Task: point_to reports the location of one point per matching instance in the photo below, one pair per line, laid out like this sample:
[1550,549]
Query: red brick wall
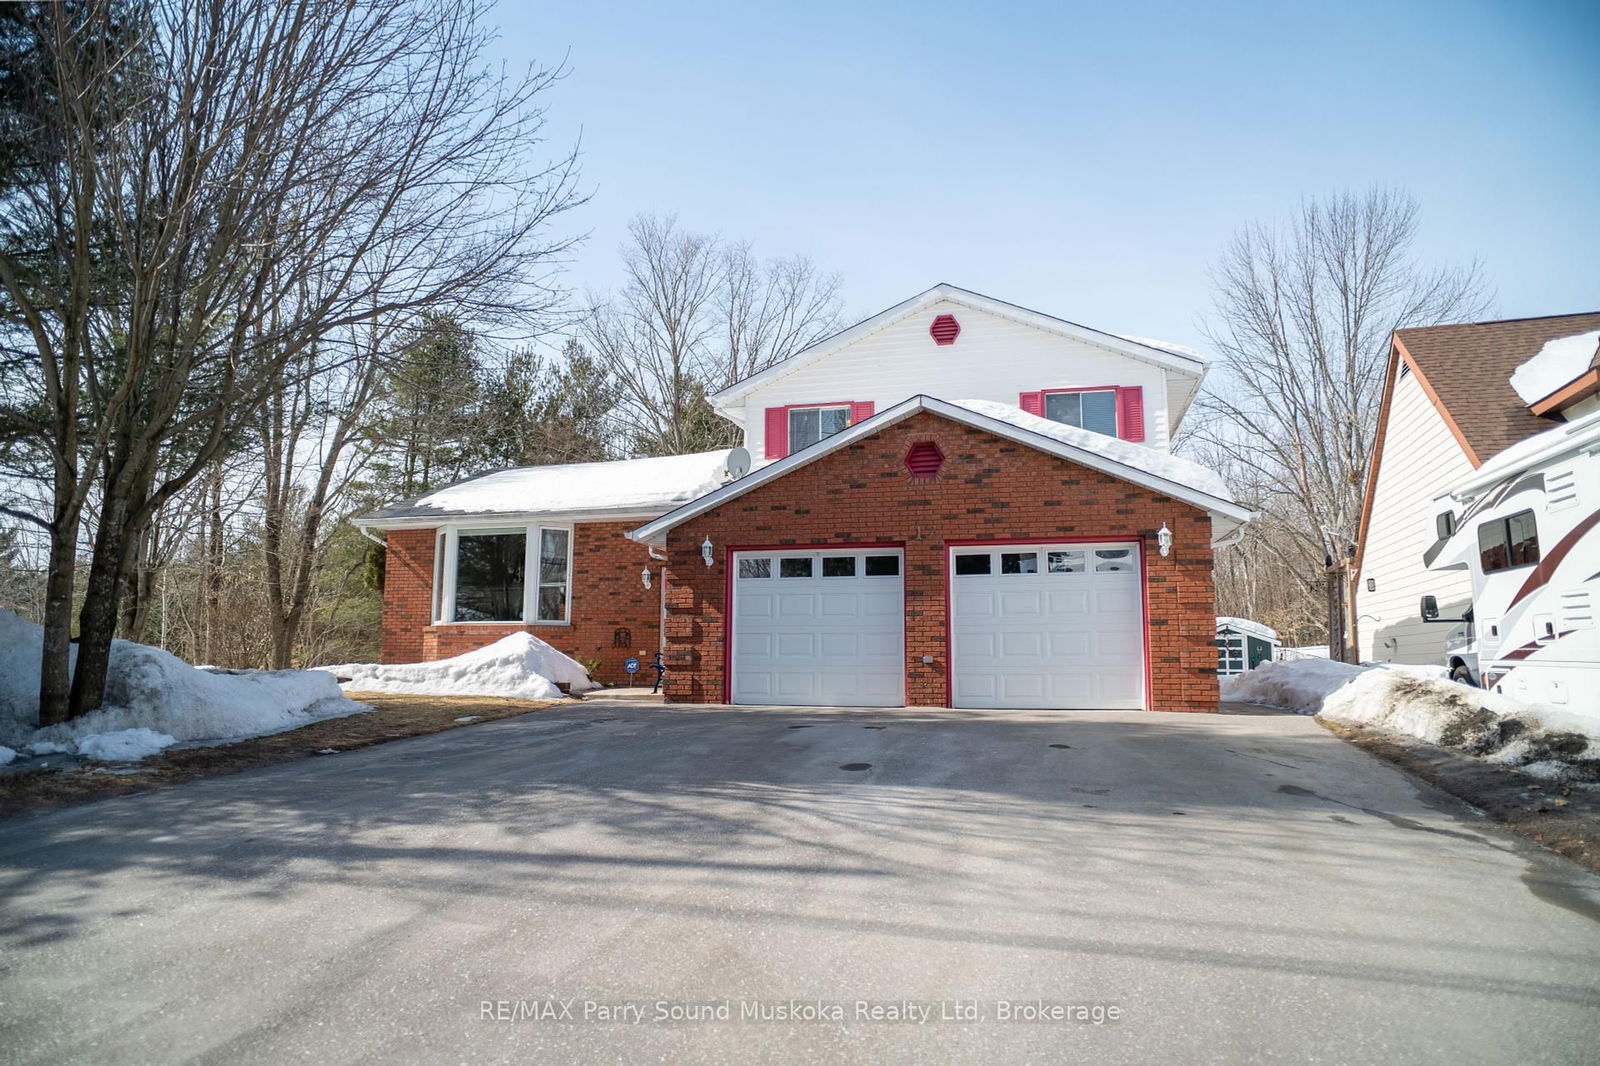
[606,595]
[989,488]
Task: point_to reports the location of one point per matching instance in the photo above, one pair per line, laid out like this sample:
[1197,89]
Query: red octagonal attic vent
[924,459]
[945,329]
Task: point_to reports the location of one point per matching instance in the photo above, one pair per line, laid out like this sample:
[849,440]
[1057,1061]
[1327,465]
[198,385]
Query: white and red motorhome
[1526,525]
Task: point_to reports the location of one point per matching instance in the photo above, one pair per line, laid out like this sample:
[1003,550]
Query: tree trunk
[55,672]
[102,596]
[211,591]
[1338,649]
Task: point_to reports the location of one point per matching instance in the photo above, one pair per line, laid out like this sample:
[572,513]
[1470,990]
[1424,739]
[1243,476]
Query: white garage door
[1047,625]
[823,628]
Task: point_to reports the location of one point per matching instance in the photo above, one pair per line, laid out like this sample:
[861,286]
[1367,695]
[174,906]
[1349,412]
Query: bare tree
[1302,325]
[219,188]
[695,316]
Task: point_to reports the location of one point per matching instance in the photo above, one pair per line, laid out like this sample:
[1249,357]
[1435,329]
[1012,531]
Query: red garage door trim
[949,595]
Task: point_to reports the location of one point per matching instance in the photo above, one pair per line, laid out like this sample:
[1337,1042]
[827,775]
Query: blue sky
[1087,160]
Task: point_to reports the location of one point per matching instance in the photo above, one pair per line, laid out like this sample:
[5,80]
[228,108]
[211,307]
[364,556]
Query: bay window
[503,574]
[554,563]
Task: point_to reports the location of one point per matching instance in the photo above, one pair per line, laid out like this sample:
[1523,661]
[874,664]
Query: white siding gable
[994,358]
[1419,460]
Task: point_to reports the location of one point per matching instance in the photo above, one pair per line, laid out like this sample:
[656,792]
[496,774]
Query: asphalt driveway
[1236,888]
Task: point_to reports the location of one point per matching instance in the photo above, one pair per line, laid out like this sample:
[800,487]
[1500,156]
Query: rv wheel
[1463,675]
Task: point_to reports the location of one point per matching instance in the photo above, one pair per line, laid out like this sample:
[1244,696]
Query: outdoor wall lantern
[1164,540]
[644,576]
[705,551]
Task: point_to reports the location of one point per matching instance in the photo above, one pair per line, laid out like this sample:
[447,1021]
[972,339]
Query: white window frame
[444,597]
[1116,408]
[795,409]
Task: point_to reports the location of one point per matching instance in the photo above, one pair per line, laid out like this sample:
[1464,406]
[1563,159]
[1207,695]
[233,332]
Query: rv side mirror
[1430,608]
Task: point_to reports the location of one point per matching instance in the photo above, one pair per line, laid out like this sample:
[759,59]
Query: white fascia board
[724,400]
[1230,513]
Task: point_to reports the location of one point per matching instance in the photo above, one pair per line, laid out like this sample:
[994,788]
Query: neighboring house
[1449,406]
[956,502]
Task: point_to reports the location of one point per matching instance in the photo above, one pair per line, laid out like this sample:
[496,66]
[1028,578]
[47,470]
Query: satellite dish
[737,464]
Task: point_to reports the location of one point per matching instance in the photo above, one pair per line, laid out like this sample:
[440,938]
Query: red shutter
[1032,402]
[860,412]
[777,432]
[1130,412]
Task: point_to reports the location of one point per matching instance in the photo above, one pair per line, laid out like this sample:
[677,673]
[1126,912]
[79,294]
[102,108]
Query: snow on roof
[1247,625]
[1166,346]
[1558,363]
[1568,436]
[624,486]
[1162,464]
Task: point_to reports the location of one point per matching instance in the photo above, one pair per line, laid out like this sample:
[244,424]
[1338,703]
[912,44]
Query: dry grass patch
[392,717]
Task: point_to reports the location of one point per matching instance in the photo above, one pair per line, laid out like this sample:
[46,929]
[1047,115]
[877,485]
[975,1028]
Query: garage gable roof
[1135,463]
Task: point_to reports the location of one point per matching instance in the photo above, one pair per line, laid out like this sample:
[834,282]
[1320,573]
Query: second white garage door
[820,629]
[1047,626]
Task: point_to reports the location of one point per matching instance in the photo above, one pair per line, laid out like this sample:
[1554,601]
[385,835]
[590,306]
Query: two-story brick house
[956,502]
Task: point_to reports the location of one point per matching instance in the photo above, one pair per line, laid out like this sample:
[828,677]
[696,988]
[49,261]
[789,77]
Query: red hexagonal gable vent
[945,329]
[924,459]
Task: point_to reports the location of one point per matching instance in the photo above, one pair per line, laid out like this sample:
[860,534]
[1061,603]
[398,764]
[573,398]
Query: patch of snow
[49,747]
[659,483]
[519,666]
[6,755]
[1150,460]
[125,745]
[1558,363]
[1292,686]
[1545,770]
[1421,702]
[468,718]
[153,690]
[1165,346]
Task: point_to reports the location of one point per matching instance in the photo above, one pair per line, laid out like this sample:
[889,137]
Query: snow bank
[1420,701]
[520,666]
[1295,686]
[1558,363]
[149,691]
[6,755]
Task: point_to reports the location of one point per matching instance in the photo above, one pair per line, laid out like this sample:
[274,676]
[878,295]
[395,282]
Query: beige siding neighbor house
[1418,454]
[1448,408]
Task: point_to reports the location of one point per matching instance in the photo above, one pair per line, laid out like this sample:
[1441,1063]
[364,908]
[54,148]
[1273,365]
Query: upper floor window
[1095,411]
[1504,543]
[807,425]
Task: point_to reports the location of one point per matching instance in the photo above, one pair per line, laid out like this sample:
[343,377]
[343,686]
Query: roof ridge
[1499,321]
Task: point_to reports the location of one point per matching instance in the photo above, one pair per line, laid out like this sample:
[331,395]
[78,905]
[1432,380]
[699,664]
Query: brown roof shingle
[1467,370]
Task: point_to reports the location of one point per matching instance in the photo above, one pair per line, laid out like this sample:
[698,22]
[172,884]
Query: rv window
[1508,542]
